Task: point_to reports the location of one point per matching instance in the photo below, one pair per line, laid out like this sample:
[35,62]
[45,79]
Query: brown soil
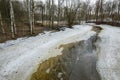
[97,29]
[22,31]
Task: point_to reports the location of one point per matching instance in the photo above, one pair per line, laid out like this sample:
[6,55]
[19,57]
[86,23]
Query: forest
[19,18]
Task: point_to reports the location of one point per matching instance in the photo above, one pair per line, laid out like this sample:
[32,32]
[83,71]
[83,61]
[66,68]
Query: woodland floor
[21,32]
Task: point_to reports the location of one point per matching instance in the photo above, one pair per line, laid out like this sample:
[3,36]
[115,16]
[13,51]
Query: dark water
[78,62]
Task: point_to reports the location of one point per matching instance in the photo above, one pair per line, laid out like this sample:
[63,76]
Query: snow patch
[109,53]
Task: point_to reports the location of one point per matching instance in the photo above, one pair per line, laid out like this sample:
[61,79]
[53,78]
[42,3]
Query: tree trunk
[59,12]
[119,10]
[1,23]
[13,25]
[49,9]
[31,15]
[52,14]
[42,14]
[101,10]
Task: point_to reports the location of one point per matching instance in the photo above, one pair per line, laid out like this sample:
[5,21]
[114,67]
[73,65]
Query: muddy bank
[78,62]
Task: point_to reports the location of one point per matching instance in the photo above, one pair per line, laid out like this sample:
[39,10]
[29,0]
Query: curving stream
[78,62]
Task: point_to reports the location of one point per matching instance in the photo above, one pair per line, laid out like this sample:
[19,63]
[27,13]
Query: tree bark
[1,23]
[31,15]
[59,8]
[101,10]
[13,25]
[52,18]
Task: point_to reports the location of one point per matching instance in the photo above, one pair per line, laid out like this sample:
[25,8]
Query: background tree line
[27,17]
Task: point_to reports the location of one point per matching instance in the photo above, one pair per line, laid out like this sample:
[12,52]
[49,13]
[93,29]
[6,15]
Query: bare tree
[52,13]
[97,8]
[117,15]
[1,24]
[86,9]
[43,11]
[101,10]
[13,25]
[31,14]
[119,8]
[49,11]
[107,9]
[41,7]
[71,10]
[113,7]
[59,8]
[60,3]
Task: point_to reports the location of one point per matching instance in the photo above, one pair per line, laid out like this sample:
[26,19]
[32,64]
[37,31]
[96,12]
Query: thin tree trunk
[42,14]
[30,20]
[52,14]
[31,15]
[49,13]
[1,22]
[101,10]
[59,12]
[13,25]
[119,10]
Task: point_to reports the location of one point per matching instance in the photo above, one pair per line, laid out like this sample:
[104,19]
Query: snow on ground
[20,58]
[109,53]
